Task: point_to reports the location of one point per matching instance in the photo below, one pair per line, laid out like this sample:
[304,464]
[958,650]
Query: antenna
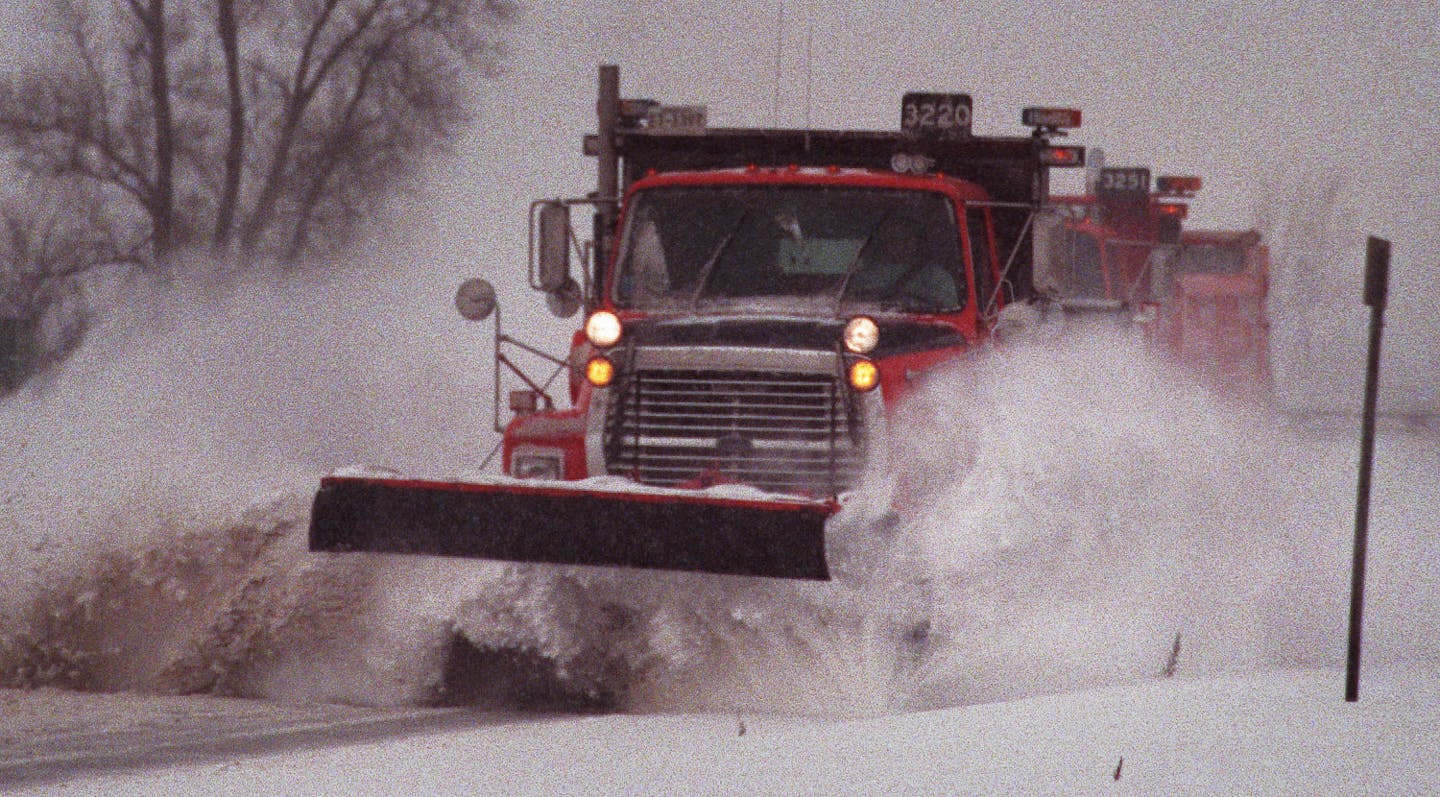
[809,43]
[779,50]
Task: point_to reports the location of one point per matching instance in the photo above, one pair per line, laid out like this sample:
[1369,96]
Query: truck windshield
[1210,259]
[740,247]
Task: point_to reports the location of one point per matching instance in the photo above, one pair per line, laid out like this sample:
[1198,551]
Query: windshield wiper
[864,244]
[709,267]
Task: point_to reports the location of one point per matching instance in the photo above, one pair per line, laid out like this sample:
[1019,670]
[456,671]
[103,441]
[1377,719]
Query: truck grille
[783,432]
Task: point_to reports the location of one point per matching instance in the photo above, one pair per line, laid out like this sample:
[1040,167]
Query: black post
[607,182]
[1377,277]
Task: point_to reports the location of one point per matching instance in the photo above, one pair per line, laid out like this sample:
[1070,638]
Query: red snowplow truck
[757,300]
[1199,294]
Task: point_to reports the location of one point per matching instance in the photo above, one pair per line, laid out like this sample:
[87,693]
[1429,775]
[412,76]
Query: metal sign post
[1377,278]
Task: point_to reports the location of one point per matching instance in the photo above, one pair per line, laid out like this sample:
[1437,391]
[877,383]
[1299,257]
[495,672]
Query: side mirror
[475,300]
[554,242]
[566,300]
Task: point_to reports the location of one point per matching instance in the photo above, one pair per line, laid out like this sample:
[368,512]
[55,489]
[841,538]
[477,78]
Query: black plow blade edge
[561,525]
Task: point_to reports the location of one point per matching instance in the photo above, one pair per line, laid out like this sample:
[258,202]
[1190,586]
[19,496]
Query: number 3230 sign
[935,115]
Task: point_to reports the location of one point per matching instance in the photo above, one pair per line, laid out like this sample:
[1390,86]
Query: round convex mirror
[475,300]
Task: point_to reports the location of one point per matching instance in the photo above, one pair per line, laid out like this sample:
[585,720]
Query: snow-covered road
[54,736]
[1273,733]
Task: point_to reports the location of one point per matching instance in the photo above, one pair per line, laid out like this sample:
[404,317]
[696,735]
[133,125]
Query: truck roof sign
[1171,185]
[1130,184]
[1053,118]
[676,119]
[935,116]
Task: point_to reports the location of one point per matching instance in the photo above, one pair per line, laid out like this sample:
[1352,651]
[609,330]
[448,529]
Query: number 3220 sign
[936,115]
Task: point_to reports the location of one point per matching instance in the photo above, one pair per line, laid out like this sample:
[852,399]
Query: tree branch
[329,157]
[235,147]
[297,103]
[162,207]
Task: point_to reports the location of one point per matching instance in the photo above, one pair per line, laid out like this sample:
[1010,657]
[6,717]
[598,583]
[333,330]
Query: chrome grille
[784,432]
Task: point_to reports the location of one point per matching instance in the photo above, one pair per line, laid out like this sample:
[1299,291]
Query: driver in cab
[901,267]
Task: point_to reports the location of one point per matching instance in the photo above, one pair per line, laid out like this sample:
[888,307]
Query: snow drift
[1081,510]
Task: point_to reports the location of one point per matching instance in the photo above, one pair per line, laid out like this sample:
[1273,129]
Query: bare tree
[228,32]
[152,45]
[374,82]
[264,129]
[49,240]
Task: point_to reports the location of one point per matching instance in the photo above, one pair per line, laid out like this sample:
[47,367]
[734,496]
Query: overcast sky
[1241,93]
[1236,92]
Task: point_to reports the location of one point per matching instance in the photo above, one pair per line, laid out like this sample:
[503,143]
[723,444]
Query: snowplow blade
[560,524]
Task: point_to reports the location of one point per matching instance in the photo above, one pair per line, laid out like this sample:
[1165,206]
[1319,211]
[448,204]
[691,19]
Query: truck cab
[761,298]
[1217,321]
[1200,294]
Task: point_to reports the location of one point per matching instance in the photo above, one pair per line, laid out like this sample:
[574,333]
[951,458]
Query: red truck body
[1200,294]
[948,333]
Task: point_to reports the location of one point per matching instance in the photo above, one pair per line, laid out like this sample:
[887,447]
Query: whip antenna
[779,50]
[809,42]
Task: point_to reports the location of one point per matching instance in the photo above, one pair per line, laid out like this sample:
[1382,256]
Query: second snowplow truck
[756,301]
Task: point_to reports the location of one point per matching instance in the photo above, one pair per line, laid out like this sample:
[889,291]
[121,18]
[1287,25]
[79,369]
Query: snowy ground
[1282,732]
[1070,522]
[1045,672]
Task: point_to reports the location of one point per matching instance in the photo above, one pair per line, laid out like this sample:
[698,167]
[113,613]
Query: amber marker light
[600,371]
[1177,186]
[864,375]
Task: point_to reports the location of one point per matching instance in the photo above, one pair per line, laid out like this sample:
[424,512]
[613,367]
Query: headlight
[600,371]
[535,465]
[602,328]
[861,335]
[864,375]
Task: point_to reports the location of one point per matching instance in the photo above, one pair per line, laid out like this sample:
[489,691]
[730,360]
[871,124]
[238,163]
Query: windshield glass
[1210,259]
[739,247]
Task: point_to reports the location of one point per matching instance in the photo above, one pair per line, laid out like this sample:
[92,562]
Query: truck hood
[896,337]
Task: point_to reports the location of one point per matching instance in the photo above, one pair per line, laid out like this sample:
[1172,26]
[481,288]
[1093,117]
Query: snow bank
[157,487]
